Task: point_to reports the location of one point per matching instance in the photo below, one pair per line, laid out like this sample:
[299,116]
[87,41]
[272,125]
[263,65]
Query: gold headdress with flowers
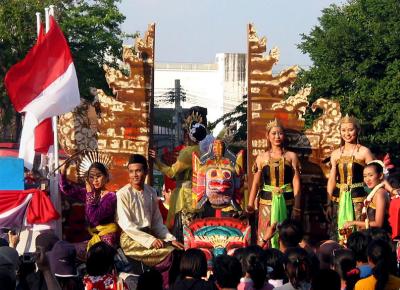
[350,119]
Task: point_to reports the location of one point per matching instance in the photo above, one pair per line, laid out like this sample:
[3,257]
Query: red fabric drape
[40,208]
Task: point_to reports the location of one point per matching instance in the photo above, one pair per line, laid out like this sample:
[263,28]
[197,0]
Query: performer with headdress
[100,203]
[277,181]
[375,212]
[345,188]
[182,206]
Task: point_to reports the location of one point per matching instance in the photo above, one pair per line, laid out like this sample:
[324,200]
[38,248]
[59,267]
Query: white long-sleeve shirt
[139,216]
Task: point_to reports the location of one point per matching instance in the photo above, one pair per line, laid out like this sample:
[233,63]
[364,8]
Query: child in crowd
[344,263]
[193,268]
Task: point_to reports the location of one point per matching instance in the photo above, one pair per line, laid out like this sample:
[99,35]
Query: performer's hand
[13,239]
[153,153]
[269,233]
[89,187]
[178,245]
[64,167]
[250,209]
[348,224]
[157,244]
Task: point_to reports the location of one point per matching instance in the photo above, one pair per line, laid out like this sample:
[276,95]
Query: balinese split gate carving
[266,101]
[120,125]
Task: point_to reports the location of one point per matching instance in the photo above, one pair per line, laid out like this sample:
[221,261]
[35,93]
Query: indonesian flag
[43,84]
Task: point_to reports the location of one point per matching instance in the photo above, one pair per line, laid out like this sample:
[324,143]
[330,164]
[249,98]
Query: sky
[195,31]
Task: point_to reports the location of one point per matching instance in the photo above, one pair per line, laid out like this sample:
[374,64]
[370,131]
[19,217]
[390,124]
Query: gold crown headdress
[350,119]
[194,117]
[91,156]
[273,123]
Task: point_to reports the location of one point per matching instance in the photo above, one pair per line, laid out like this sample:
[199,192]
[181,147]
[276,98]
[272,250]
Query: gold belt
[269,201]
[348,187]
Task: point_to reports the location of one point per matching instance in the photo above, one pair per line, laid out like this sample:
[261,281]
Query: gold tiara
[194,117]
[273,123]
[350,119]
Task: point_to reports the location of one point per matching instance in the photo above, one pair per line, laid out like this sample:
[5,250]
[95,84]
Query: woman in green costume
[277,182]
[182,206]
[345,187]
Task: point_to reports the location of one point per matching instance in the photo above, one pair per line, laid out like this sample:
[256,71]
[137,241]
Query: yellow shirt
[369,283]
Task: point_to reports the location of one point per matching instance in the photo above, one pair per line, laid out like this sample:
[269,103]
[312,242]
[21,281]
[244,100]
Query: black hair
[193,264]
[227,271]
[99,166]
[239,254]
[197,131]
[358,243]
[378,234]
[344,263]
[138,158]
[290,233]
[326,279]
[376,165]
[150,279]
[297,266]
[100,259]
[253,264]
[379,253]
[274,259]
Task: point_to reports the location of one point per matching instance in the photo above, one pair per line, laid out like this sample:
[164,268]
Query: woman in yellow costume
[277,181]
[182,205]
[345,187]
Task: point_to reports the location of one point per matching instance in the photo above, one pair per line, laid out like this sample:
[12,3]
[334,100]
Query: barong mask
[218,177]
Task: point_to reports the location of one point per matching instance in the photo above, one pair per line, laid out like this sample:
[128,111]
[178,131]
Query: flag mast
[54,162]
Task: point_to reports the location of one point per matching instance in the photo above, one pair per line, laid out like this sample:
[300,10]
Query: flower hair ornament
[91,156]
[197,132]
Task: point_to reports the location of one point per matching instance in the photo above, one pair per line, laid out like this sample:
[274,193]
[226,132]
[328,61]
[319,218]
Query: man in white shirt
[144,236]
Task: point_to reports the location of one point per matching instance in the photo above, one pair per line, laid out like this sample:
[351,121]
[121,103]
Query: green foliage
[92,29]
[356,56]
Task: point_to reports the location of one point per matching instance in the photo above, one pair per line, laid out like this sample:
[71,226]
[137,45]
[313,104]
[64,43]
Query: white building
[219,86]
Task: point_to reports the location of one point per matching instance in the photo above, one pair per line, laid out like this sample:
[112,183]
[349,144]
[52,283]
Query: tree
[92,29]
[238,118]
[356,59]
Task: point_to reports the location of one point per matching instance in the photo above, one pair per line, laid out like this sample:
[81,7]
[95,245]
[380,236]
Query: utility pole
[178,114]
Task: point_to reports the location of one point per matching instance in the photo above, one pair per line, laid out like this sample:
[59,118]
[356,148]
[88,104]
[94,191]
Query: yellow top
[369,283]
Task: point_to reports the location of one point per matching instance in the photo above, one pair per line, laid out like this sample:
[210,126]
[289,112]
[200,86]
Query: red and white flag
[43,84]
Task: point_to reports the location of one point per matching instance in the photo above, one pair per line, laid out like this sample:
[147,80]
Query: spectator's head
[297,265]
[227,271]
[3,242]
[239,254]
[274,260]
[150,279]
[62,259]
[344,263]
[8,282]
[290,234]
[137,168]
[9,261]
[253,263]
[379,255]
[358,243]
[327,279]
[324,253]
[46,240]
[378,234]
[100,259]
[193,264]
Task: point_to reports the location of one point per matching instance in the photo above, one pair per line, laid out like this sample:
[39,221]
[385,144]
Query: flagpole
[37,23]
[55,195]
